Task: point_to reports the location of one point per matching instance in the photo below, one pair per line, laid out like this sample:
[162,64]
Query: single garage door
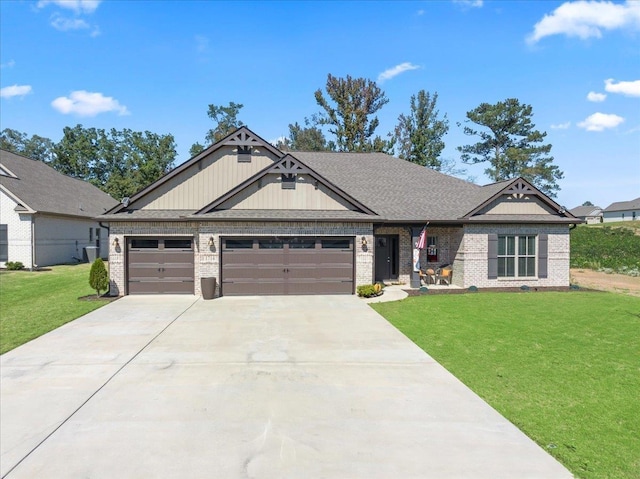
[160,265]
[263,266]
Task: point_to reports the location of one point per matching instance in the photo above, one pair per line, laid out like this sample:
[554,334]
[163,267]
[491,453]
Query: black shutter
[4,244]
[493,256]
[543,255]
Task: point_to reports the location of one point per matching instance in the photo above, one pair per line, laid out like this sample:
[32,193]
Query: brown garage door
[160,265]
[264,266]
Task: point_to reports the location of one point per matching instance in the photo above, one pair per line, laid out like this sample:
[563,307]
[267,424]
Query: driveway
[270,387]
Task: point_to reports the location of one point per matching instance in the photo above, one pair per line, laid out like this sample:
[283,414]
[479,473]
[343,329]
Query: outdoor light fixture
[364,241]
[210,241]
[116,243]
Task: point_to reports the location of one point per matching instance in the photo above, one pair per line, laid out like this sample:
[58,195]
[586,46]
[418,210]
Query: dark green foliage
[307,138]
[14,265]
[587,203]
[349,111]
[119,162]
[98,277]
[598,247]
[36,147]
[512,145]
[195,149]
[418,135]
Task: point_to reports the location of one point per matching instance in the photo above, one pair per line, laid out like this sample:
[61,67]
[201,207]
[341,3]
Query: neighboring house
[622,211]
[590,214]
[262,221]
[46,217]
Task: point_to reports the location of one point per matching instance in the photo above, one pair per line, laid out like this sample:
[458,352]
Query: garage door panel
[161,287]
[160,266]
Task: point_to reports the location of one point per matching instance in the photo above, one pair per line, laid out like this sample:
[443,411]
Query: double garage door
[249,266]
[262,266]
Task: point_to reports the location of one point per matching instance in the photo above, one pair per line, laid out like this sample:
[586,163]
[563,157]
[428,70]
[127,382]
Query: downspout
[34,265]
[108,238]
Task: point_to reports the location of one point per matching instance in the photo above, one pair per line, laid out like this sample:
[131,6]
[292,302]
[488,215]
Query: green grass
[609,246]
[34,303]
[563,367]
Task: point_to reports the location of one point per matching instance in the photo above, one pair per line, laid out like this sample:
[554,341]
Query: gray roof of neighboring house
[40,188]
[584,211]
[624,205]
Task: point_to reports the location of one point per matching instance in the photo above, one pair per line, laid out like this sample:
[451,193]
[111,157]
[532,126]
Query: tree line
[121,162]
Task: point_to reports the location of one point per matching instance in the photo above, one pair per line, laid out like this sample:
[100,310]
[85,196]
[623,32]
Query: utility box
[208,286]
[91,253]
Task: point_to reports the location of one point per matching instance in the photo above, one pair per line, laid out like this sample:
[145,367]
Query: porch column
[415,275]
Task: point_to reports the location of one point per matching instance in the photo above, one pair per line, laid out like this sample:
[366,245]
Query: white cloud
[389,73]
[628,88]
[561,126]
[66,24]
[15,90]
[420,12]
[596,97]
[600,121]
[586,19]
[470,3]
[9,64]
[84,103]
[78,6]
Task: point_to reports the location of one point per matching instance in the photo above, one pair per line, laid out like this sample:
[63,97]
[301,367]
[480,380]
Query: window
[238,244]
[516,256]
[270,244]
[144,243]
[244,154]
[432,249]
[4,243]
[302,243]
[90,234]
[177,244]
[288,181]
[336,244]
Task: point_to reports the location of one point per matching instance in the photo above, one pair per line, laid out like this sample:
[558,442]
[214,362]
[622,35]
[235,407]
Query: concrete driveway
[174,386]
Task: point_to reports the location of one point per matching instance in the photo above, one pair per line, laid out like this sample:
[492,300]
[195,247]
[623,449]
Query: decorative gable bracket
[243,138]
[289,166]
[520,190]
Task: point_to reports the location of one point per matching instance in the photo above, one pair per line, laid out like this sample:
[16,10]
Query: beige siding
[508,205]
[268,194]
[205,181]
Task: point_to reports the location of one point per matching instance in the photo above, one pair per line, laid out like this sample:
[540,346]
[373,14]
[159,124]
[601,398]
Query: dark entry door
[387,256]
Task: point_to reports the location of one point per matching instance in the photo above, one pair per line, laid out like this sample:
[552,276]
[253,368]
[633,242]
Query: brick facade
[207,258]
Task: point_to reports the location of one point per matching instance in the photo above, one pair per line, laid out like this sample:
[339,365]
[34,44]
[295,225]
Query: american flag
[422,242]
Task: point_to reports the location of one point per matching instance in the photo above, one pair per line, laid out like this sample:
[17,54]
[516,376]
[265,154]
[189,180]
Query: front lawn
[34,303]
[563,367]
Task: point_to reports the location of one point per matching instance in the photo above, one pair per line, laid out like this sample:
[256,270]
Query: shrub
[14,265]
[367,290]
[605,249]
[98,277]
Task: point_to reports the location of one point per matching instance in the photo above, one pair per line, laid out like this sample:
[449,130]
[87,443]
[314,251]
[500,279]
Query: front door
[387,257]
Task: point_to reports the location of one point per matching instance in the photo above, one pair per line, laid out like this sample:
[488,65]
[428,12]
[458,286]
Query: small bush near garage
[14,265]
[369,290]
[98,276]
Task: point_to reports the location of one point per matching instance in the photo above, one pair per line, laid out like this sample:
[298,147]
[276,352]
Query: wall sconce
[116,243]
[364,241]
[210,243]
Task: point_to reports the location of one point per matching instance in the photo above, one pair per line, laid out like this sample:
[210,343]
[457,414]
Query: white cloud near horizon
[392,72]
[587,19]
[84,103]
[15,90]
[78,6]
[628,88]
[561,126]
[596,97]
[601,121]
[9,64]
[65,24]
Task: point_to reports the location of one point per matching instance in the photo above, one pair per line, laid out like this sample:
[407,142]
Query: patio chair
[444,275]
[428,276]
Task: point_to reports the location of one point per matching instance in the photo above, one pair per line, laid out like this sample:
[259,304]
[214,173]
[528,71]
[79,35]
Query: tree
[98,277]
[419,134]
[118,162]
[36,147]
[587,203]
[307,138]
[348,113]
[513,146]
[226,120]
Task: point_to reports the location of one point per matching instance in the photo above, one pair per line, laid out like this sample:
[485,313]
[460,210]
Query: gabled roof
[240,137]
[584,211]
[624,205]
[288,165]
[37,187]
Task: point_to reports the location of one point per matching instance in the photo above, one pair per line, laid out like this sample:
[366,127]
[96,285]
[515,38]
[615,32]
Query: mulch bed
[417,292]
[93,297]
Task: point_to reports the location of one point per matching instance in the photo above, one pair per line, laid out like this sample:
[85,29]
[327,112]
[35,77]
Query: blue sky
[157,65]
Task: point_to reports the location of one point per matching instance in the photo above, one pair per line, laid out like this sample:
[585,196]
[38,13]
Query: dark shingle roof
[624,205]
[42,189]
[288,215]
[396,189]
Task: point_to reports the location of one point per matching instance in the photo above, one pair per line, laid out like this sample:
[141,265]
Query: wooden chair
[445,275]
[428,276]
